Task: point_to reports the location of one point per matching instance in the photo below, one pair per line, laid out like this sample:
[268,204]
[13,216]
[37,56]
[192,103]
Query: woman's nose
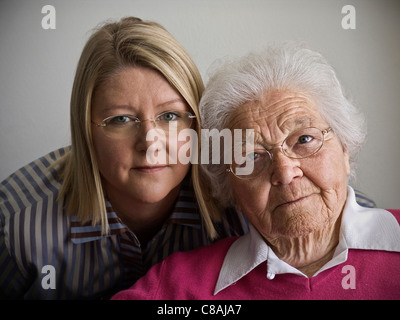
[283,169]
[147,134]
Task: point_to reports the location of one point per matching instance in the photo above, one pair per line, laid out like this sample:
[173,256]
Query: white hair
[288,66]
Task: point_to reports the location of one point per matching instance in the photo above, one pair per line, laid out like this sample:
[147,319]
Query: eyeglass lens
[124,126]
[298,145]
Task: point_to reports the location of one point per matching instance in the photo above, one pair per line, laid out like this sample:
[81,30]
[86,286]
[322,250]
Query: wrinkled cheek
[253,201]
[333,186]
[329,170]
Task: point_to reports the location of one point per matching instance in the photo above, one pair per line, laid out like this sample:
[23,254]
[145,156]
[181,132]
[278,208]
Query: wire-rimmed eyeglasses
[299,144]
[124,126]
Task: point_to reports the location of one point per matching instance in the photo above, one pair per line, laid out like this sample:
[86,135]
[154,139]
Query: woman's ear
[346,161]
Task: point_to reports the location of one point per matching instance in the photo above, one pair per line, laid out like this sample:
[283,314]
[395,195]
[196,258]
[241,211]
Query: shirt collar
[361,228]
[86,232]
[185,213]
[369,228]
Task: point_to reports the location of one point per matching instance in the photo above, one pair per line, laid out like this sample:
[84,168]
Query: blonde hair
[111,48]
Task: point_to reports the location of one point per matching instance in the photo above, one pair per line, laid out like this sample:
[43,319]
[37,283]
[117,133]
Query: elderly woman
[88,220]
[308,238]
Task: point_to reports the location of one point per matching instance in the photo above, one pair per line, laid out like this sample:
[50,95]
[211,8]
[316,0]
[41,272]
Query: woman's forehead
[286,110]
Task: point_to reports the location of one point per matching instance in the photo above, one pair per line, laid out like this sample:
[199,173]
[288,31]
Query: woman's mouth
[290,202]
[149,169]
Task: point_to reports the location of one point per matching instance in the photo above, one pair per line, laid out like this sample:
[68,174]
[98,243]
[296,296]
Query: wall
[37,65]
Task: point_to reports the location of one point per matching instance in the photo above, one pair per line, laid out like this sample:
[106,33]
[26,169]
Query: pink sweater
[193,275]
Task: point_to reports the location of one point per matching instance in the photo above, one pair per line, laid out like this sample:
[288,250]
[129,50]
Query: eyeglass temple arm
[326,130]
[99,124]
[102,124]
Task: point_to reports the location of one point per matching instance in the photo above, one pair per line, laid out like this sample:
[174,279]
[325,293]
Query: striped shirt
[46,254]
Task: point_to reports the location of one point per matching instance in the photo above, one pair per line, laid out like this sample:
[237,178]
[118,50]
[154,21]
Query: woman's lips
[288,203]
[149,169]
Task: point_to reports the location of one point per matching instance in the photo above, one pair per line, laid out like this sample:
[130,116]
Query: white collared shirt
[361,228]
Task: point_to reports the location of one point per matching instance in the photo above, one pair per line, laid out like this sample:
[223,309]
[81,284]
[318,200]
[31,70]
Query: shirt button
[270,276]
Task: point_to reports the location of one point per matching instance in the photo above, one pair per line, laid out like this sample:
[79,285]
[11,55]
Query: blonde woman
[88,220]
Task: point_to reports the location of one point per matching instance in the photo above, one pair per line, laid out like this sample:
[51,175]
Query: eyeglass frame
[270,154]
[138,122]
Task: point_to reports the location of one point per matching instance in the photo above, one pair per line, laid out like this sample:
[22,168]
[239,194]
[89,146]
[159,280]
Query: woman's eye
[253,156]
[169,116]
[118,120]
[304,139]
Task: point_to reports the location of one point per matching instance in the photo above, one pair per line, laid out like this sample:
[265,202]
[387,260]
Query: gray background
[37,66]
